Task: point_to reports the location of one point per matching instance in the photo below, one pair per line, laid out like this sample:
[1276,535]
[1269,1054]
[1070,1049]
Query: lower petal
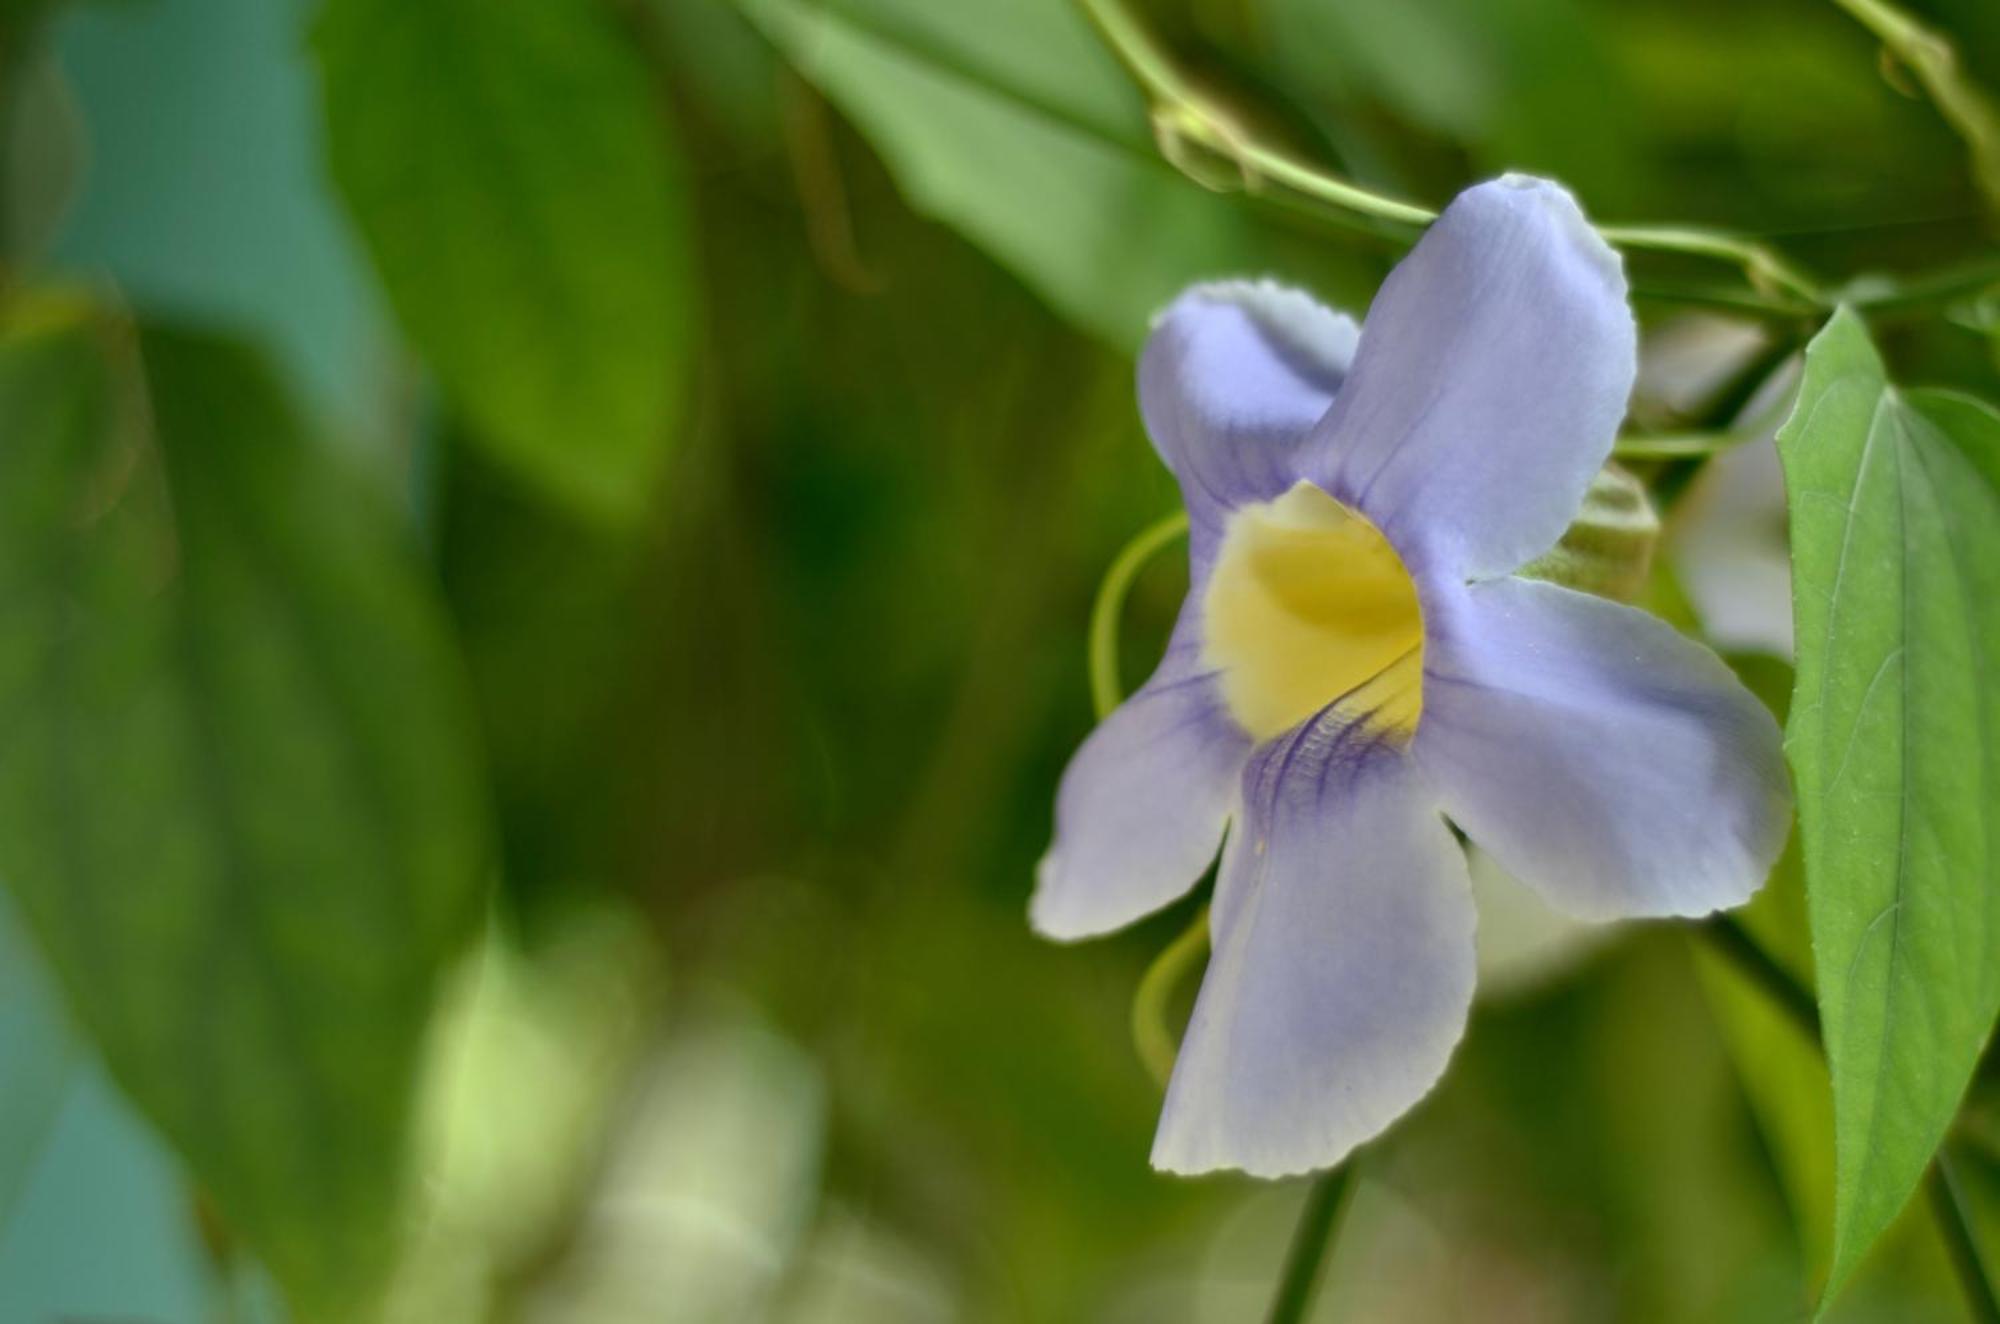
[1343,963]
[1603,758]
[1143,804]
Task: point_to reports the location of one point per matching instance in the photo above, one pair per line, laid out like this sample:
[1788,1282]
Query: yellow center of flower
[1309,607]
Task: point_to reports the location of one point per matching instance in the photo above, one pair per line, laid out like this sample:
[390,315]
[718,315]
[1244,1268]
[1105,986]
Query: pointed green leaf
[1894,738]
[510,168]
[239,805]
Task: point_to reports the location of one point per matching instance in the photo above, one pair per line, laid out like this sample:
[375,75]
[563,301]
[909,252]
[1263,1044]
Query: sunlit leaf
[1894,738]
[238,800]
[512,173]
[1012,122]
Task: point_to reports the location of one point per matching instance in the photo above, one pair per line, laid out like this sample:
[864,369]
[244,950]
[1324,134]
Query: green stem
[1105,691]
[1675,445]
[1766,270]
[1184,111]
[1184,114]
[1185,117]
[1729,940]
[1928,55]
[1156,1043]
[1931,288]
[1311,1240]
[1954,1220]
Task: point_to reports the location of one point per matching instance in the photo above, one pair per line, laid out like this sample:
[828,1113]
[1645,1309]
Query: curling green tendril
[1151,1035]
[1105,691]
[1155,1042]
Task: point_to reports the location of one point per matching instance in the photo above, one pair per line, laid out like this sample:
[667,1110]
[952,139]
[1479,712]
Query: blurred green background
[745,390]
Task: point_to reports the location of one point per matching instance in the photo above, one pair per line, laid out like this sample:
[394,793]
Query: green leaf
[1010,121]
[511,171]
[239,803]
[1894,738]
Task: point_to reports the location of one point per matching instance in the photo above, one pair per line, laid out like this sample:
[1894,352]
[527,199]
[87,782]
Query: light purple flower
[1354,664]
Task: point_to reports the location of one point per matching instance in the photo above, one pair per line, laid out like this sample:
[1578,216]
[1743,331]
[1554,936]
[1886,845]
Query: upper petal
[1489,383]
[1603,758]
[1142,805]
[1342,968]
[1231,381]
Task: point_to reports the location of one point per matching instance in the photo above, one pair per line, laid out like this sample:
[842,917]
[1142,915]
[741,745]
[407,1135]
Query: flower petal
[1489,383]
[1143,803]
[1343,963]
[1603,758]
[1233,378]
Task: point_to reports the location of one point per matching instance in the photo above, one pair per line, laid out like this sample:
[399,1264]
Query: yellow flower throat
[1309,607]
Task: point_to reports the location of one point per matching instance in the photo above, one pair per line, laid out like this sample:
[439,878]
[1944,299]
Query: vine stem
[1105,691]
[1934,61]
[1151,1037]
[1184,114]
[1732,942]
[1319,1219]
[1954,1222]
[1676,445]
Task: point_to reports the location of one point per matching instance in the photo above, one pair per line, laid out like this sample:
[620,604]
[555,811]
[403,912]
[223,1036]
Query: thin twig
[1156,1044]
[1105,691]
[1954,1220]
[1727,937]
[1183,113]
[1311,1239]
[1934,61]
[1675,445]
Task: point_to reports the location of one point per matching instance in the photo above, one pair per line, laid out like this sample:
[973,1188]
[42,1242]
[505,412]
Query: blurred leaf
[238,799]
[723,71]
[506,1170]
[42,152]
[512,173]
[1011,121]
[1428,58]
[20,26]
[708,1187]
[1780,1062]
[1522,84]
[39,1057]
[1784,1078]
[1894,738]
